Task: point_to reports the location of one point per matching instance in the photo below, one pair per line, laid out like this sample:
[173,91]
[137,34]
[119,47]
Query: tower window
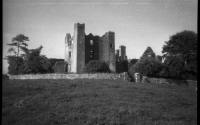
[111,45]
[91,53]
[69,54]
[91,42]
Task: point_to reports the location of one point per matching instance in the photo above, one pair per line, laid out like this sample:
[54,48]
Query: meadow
[97,102]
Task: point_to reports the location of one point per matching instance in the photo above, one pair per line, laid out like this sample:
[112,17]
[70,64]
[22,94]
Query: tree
[30,61]
[182,46]
[35,63]
[18,44]
[147,66]
[15,64]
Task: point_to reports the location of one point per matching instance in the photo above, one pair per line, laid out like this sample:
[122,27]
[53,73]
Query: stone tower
[75,49]
[81,48]
[107,49]
[122,52]
[121,59]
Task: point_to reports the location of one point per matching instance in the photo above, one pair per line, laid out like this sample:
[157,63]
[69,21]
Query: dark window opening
[91,53]
[69,54]
[111,45]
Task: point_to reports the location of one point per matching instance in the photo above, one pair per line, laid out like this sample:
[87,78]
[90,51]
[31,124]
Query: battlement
[121,46]
[80,26]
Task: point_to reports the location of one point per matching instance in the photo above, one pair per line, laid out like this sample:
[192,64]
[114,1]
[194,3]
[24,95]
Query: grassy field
[92,102]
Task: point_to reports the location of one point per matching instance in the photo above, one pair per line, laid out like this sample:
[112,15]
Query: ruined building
[121,59]
[149,53]
[81,48]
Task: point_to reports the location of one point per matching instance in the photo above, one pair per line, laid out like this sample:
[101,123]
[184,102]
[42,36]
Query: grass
[92,102]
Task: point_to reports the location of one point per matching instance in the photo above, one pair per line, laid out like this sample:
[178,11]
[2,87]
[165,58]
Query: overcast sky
[137,23]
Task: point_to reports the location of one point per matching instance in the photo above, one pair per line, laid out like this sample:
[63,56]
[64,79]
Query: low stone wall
[123,76]
[168,81]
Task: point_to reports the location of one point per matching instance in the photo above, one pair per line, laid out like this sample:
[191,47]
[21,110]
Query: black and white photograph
[99,62]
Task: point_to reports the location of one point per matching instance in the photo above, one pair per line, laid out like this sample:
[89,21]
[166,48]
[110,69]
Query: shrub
[176,68]
[15,64]
[35,62]
[164,73]
[97,66]
[147,67]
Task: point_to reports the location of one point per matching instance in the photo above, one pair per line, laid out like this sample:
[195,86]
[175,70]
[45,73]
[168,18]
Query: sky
[137,23]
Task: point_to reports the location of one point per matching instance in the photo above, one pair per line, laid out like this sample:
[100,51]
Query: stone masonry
[81,48]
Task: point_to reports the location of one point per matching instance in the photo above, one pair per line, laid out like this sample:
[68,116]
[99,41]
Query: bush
[147,67]
[97,66]
[176,68]
[15,64]
[164,73]
[35,62]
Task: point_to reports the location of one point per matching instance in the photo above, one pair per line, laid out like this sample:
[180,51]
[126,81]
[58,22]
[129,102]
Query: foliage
[15,64]
[18,45]
[30,61]
[180,54]
[147,67]
[36,63]
[164,73]
[97,66]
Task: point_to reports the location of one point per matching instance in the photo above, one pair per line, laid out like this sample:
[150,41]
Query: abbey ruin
[81,48]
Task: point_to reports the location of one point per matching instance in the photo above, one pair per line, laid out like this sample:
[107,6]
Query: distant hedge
[97,66]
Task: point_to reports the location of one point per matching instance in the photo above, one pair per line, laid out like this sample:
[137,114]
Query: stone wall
[146,79]
[123,76]
[91,49]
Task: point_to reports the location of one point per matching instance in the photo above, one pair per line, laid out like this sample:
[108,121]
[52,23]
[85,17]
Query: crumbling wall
[60,67]
[107,49]
[146,79]
[122,76]
[91,48]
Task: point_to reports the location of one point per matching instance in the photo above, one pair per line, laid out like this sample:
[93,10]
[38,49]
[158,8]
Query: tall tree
[18,44]
[182,46]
